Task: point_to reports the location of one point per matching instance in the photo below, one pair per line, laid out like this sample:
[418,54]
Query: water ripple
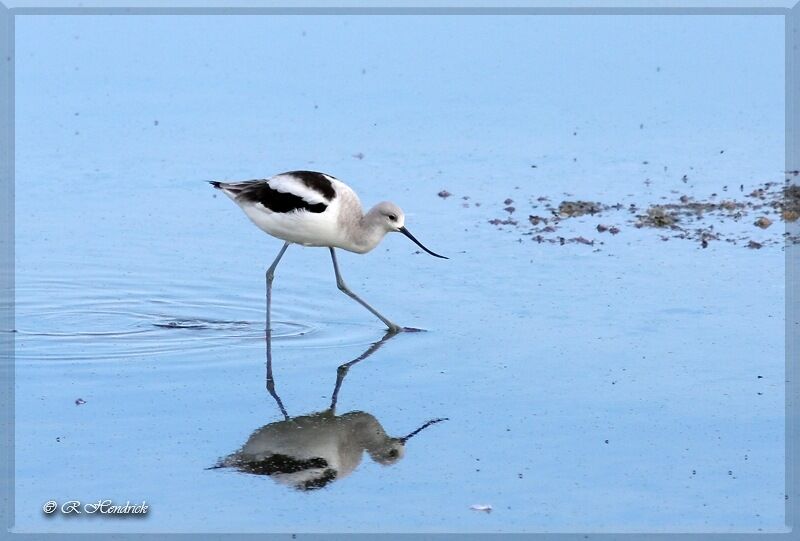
[106,325]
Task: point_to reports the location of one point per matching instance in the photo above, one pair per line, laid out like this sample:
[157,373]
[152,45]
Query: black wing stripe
[278,463]
[313,484]
[278,201]
[316,181]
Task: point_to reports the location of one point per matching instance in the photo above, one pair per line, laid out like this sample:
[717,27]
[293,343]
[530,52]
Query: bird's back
[304,207]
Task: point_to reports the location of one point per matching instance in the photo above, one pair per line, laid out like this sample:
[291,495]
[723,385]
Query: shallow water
[634,385]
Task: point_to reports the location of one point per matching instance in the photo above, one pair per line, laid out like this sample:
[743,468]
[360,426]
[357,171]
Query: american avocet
[308,452]
[315,209]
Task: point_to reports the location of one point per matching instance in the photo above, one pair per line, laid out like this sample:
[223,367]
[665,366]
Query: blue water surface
[634,385]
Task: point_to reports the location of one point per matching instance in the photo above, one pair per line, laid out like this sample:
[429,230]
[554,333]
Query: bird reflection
[309,452]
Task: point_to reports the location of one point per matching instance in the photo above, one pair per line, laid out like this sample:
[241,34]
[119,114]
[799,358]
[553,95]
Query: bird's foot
[398,329]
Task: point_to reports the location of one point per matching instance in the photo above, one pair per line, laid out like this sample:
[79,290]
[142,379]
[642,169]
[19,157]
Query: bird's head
[390,452]
[391,218]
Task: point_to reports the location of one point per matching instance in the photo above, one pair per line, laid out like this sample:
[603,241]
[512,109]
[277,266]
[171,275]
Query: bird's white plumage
[315,209]
[332,227]
[300,227]
[338,440]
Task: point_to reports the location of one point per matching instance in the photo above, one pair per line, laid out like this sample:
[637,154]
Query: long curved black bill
[405,232]
[423,427]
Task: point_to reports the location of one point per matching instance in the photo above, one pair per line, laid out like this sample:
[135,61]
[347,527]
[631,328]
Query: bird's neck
[368,232]
[365,429]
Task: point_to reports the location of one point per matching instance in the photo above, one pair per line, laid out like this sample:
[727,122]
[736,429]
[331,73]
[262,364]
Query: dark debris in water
[763,222]
[684,218]
[602,228]
[657,216]
[200,324]
[569,209]
[508,221]
[536,220]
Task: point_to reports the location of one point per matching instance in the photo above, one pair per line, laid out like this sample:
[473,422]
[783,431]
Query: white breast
[328,228]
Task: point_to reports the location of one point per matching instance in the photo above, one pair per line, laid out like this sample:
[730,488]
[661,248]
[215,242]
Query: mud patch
[686,217]
[570,209]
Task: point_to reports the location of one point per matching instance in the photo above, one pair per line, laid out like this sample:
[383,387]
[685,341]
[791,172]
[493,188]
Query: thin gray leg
[393,327]
[268,331]
[270,278]
[271,378]
[341,372]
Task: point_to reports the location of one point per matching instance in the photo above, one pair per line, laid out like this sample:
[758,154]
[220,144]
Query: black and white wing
[288,192]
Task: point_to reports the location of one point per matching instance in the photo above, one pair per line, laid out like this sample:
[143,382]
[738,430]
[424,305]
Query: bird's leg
[341,372]
[271,379]
[270,278]
[393,327]
[268,333]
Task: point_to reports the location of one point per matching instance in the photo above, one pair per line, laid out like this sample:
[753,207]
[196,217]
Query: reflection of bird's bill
[420,429]
[405,232]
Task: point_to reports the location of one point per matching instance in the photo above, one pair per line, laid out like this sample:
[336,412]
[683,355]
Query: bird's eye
[393,453]
[392,217]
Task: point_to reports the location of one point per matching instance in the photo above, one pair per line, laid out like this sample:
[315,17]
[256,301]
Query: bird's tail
[231,189]
[225,187]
